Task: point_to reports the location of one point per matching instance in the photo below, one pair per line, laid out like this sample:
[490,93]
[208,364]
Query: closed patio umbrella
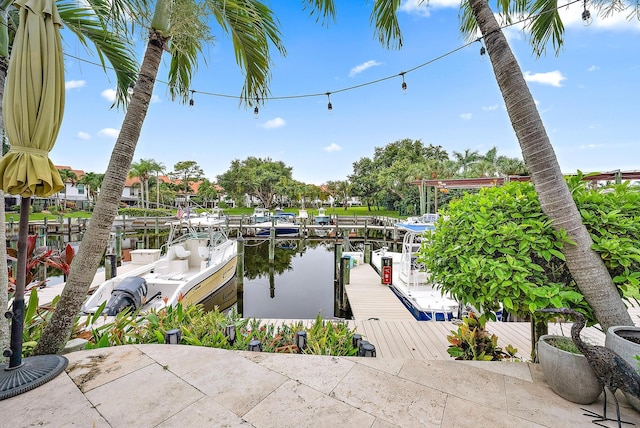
[33,106]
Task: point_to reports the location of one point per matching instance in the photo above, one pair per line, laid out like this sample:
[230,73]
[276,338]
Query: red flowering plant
[37,257]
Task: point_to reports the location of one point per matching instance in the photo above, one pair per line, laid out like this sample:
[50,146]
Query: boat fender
[129,293]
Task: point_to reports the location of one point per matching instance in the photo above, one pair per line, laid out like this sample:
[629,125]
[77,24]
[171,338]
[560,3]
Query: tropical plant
[38,257]
[202,328]
[180,27]
[471,341]
[587,269]
[498,247]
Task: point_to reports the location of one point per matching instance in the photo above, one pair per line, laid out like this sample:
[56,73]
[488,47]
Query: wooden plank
[369,298]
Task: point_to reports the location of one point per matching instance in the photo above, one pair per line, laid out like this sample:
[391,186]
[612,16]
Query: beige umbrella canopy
[33,102]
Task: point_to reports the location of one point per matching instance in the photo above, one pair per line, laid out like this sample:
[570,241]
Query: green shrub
[496,246]
[144,212]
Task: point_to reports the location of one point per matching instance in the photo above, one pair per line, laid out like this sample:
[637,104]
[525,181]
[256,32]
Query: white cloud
[155,99]
[490,108]
[590,146]
[109,132]
[423,8]
[593,68]
[278,122]
[333,147]
[73,84]
[553,78]
[109,95]
[362,67]
[83,136]
[466,116]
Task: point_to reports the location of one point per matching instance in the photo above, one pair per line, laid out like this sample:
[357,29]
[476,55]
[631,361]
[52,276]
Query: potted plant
[625,341]
[566,370]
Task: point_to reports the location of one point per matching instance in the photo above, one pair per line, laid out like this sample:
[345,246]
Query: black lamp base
[33,372]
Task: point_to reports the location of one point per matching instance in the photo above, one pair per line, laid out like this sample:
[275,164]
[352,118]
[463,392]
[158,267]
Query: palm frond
[323,10]
[109,45]
[253,29]
[385,22]
[545,25]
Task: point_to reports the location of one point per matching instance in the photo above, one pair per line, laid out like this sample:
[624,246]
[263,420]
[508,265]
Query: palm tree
[158,168]
[587,268]
[142,170]
[179,26]
[93,181]
[69,177]
[92,23]
[466,160]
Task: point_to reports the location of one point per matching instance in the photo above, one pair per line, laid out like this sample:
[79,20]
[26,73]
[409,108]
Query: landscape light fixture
[172,337]
[355,340]
[301,340]
[255,346]
[230,333]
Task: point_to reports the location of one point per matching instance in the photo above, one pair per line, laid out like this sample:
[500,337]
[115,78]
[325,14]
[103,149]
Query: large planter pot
[568,374]
[625,341]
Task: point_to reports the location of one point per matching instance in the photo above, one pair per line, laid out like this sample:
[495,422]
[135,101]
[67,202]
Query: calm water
[298,285]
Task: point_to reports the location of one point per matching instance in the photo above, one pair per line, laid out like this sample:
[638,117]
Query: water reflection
[298,284]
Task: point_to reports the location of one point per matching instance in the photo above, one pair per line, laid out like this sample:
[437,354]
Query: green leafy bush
[496,246]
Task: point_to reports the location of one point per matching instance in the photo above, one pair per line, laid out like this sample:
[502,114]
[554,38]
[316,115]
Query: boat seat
[180,252]
[203,252]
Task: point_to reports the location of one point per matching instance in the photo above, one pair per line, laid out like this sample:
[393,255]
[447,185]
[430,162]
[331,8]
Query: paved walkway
[188,386]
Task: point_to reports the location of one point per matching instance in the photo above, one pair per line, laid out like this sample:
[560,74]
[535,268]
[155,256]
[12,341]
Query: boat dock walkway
[379,317]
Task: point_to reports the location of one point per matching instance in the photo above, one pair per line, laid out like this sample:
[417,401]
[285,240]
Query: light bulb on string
[329,105]
[191,102]
[586,16]
[256,110]
[404,84]
[483,51]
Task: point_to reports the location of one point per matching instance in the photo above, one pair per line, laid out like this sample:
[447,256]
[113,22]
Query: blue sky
[587,96]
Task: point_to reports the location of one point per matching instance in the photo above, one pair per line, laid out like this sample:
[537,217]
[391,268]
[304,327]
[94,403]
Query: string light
[404,84]
[586,15]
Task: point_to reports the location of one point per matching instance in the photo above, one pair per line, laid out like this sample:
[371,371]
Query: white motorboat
[410,281]
[322,217]
[260,215]
[284,225]
[195,264]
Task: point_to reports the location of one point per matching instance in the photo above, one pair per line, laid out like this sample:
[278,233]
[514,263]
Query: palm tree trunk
[86,263]
[586,267]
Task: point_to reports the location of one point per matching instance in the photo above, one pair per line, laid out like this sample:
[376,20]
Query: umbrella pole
[23,375]
[17,322]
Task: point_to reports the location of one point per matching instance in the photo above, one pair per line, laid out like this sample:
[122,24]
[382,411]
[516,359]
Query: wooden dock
[396,335]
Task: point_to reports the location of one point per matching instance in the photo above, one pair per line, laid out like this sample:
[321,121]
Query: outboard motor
[130,293]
